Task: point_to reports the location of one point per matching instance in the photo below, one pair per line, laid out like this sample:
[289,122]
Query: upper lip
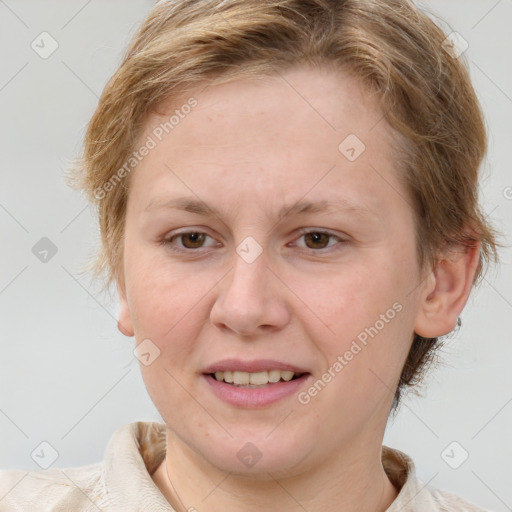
[256,365]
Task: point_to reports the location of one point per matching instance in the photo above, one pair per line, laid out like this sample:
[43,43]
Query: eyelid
[302,231]
[186,231]
[305,231]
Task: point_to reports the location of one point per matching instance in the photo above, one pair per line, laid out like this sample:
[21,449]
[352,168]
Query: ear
[446,291]
[124,323]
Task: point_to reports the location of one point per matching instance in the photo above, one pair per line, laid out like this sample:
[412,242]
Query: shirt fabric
[122,481]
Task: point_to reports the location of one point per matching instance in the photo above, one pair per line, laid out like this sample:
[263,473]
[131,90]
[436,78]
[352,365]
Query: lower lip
[256,397]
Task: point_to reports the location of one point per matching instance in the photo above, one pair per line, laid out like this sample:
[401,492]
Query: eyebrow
[198,207]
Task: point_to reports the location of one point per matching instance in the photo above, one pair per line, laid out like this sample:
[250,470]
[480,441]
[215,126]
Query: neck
[353,480]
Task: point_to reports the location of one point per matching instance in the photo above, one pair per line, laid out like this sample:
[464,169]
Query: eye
[189,240]
[316,239]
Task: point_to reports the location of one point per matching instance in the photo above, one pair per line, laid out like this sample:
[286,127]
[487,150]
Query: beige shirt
[122,482]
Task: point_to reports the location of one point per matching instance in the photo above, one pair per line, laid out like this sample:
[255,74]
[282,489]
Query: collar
[137,449]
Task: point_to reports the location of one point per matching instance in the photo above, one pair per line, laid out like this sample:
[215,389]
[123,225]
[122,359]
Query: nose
[251,300]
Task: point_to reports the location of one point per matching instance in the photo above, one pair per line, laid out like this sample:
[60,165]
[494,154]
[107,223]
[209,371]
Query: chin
[257,457]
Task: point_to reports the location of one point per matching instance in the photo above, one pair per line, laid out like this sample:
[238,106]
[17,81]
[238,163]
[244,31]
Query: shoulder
[448,502]
[413,494]
[122,481]
[51,489]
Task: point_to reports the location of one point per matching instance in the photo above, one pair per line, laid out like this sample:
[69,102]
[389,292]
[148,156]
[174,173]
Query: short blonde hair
[392,47]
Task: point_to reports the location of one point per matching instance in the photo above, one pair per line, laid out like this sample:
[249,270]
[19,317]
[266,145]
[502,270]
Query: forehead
[306,131]
[322,97]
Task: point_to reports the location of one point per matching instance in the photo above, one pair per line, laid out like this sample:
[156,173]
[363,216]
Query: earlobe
[127,331]
[124,324]
[446,292]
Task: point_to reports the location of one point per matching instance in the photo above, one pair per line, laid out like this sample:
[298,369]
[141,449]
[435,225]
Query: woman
[287,197]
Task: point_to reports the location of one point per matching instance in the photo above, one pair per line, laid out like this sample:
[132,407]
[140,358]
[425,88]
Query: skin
[248,149]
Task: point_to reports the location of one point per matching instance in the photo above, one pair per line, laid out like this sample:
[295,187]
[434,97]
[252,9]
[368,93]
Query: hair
[393,48]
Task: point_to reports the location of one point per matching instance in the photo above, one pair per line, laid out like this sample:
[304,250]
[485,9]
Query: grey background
[66,374]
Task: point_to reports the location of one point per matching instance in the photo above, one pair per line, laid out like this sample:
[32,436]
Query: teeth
[255,379]
[274,375]
[258,378]
[287,375]
[241,378]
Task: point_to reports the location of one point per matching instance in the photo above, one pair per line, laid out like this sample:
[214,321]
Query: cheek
[160,296]
[364,354]
[363,316]
[165,306]
[353,298]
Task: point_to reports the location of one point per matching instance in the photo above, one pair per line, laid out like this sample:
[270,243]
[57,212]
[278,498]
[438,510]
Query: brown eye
[189,242]
[317,240]
[192,240]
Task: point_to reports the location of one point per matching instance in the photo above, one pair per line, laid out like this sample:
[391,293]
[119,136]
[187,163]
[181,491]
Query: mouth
[254,384]
[258,389]
[254,380]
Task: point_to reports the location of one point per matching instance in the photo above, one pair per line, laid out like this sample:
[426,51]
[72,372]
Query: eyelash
[169,244]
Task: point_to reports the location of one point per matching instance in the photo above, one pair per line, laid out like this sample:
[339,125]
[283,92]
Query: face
[261,235]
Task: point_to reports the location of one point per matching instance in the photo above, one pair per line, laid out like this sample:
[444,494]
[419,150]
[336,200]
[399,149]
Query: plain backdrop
[67,375]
